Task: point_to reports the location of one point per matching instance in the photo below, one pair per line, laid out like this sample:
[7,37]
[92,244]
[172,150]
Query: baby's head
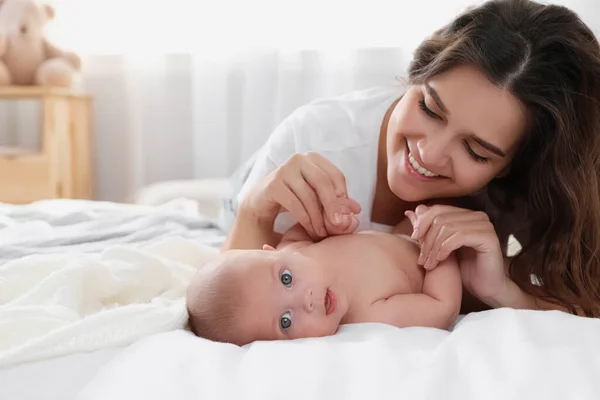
[248,295]
[214,298]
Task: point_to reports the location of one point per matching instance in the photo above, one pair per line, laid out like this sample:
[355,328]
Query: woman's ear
[268,247]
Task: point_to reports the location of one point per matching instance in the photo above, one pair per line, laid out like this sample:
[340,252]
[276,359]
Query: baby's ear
[268,247]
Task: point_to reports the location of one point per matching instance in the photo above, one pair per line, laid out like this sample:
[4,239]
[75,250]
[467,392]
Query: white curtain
[190,89]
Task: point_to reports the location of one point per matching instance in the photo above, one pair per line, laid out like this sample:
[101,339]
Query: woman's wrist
[247,212]
[511,296]
[515,297]
[251,230]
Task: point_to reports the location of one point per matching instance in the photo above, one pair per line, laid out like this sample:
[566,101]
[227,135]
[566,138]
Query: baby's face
[287,295]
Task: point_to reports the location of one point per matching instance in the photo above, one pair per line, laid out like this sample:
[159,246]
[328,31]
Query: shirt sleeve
[280,146]
[322,127]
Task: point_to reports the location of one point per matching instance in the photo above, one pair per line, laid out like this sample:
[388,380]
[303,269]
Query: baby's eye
[286,277]
[285,321]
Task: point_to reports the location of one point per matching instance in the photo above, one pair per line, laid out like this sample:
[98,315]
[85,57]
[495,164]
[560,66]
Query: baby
[305,289]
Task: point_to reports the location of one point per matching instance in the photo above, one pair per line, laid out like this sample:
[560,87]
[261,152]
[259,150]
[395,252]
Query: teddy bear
[26,55]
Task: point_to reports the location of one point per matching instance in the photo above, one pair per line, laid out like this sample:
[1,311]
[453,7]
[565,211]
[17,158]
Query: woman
[497,133]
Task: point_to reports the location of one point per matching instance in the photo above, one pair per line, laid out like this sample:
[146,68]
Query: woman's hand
[442,229]
[312,189]
[349,222]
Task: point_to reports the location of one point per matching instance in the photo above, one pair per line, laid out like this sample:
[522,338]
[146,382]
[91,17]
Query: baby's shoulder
[399,239]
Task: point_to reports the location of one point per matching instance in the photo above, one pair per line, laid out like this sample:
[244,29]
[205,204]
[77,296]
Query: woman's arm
[515,297]
[310,188]
[251,232]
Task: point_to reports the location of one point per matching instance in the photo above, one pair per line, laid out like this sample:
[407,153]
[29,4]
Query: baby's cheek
[322,327]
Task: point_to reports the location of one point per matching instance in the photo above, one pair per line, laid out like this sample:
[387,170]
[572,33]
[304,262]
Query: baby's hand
[348,223]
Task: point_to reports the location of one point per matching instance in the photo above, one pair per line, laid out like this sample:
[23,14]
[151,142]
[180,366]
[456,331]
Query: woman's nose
[433,152]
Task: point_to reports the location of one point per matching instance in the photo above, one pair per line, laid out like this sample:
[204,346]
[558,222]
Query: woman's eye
[427,110]
[285,321]
[286,277]
[475,156]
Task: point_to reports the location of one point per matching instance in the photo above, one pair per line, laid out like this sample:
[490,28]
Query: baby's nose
[308,300]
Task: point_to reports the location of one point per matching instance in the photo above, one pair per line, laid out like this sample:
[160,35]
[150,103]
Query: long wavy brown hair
[550,60]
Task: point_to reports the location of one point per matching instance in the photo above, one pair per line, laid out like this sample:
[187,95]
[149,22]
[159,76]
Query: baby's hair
[213,303]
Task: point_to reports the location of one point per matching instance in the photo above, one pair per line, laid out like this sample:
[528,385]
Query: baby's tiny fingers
[412,217]
[431,264]
[421,208]
[354,223]
[354,206]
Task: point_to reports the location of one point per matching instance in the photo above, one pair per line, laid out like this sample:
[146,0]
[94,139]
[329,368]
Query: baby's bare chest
[380,266]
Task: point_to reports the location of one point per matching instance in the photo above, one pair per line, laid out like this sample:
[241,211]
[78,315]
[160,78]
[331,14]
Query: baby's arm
[437,306]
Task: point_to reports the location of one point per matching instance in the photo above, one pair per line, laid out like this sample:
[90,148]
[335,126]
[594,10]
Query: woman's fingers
[322,185]
[425,216]
[313,188]
[330,184]
[311,204]
[440,224]
[288,200]
[453,236]
[335,175]
[443,229]
[478,236]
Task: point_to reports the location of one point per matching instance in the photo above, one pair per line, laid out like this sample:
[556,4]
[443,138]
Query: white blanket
[52,305]
[501,354]
[78,226]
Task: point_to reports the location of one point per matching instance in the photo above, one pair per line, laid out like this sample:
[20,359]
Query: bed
[91,307]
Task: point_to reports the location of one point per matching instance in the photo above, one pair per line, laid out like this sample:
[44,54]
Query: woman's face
[452,135]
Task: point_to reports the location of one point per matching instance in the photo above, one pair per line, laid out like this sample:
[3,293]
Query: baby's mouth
[330,302]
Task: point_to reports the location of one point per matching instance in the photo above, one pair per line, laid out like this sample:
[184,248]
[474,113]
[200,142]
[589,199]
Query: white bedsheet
[500,354]
[60,378]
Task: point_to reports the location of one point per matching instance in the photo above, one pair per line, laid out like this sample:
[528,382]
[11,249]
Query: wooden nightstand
[61,167]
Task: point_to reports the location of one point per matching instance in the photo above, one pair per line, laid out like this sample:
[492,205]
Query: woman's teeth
[420,169]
